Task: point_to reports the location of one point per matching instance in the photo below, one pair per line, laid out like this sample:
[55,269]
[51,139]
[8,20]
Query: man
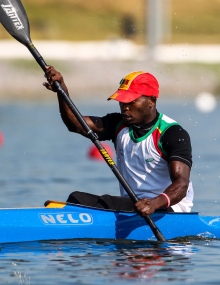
[153,151]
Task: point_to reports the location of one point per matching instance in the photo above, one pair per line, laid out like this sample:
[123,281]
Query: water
[41,160]
[98,262]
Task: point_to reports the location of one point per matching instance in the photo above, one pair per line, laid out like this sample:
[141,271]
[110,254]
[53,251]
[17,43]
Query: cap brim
[124,96]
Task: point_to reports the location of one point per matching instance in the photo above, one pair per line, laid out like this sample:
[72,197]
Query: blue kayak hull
[60,221]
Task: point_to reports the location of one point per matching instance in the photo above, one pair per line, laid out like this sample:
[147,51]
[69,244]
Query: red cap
[135,85]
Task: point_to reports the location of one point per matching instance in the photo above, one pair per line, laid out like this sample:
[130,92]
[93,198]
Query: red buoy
[93,152]
[1,138]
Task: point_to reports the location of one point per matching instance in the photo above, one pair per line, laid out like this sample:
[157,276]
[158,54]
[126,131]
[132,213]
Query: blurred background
[94,44]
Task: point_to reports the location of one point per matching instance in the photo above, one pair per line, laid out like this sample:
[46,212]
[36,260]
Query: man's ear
[153,101]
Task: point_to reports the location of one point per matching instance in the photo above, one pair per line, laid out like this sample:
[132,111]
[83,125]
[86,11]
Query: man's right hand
[52,75]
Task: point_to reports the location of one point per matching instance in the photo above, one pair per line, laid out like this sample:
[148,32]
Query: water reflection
[152,260]
[97,262]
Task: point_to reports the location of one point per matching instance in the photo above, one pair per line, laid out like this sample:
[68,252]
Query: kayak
[62,221]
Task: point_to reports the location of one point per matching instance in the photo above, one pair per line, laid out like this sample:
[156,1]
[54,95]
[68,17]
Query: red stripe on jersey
[156,137]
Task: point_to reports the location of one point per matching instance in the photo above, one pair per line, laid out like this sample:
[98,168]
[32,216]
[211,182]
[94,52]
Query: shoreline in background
[95,68]
[115,49]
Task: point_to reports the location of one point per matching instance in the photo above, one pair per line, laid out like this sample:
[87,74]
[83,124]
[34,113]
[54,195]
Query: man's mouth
[126,117]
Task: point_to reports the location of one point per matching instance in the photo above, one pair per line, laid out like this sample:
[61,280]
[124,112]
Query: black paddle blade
[14,19]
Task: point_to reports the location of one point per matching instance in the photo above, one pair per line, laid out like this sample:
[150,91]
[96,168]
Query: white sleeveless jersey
[143,164]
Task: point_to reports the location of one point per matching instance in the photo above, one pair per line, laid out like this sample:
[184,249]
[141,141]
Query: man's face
[139,111]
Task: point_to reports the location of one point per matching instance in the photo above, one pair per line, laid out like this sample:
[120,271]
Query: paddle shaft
[15,21]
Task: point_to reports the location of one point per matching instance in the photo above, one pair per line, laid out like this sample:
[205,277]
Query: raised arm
[71,122]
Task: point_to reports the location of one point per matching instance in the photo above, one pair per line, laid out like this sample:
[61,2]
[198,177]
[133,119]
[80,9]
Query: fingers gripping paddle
[14,18]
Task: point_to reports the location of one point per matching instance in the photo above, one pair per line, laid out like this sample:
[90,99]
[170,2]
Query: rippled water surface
[102,262]
[41,160]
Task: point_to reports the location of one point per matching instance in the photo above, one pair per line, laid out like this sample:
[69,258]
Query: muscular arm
[176,143]
[176,191]
[69,119]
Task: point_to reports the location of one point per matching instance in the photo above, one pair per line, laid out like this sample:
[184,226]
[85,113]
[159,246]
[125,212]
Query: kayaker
[153,151]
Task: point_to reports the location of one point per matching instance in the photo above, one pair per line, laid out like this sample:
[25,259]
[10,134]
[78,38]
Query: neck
[149,122]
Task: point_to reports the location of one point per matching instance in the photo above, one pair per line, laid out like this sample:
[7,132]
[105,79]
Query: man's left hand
[146,207]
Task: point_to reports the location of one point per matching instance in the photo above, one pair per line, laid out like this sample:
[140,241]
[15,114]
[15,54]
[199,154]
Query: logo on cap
[126,82]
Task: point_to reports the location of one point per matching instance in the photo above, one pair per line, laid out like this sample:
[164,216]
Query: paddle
[14,19]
